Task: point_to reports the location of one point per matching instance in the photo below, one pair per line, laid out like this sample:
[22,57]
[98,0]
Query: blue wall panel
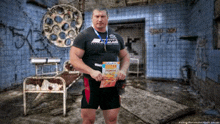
[200,20]
[20,30]
[166,53]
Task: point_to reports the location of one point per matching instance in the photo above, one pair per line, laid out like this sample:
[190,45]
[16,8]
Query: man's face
[99,19]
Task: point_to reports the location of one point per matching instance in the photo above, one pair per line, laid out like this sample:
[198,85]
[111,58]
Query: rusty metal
[59,21]
[58,83]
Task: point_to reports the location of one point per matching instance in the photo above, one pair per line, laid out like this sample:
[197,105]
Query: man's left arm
[124,58]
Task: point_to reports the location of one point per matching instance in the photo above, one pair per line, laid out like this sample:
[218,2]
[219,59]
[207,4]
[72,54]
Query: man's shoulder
[111,30]
[113,33]
[87,30]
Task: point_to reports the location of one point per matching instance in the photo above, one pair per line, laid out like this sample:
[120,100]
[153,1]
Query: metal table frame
[42,76]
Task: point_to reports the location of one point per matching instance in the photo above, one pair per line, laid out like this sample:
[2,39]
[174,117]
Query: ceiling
[88,5]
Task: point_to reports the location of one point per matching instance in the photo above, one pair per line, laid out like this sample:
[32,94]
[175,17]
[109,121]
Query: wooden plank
[151,108]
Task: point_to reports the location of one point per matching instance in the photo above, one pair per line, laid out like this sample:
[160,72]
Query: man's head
[100,19]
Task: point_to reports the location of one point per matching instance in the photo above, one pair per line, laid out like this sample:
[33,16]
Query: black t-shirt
[94,47]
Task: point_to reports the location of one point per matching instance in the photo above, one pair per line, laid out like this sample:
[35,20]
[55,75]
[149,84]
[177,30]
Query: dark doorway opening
[132,32]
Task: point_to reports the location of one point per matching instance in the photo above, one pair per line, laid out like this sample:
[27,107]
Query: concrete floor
[48,109]
[184,94]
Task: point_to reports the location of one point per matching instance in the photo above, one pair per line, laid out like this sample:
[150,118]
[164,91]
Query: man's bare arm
[124,63]
[76,55]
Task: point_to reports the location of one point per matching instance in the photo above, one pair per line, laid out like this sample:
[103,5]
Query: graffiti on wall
[166,35]
[21,37]
[167,38]
[30,36]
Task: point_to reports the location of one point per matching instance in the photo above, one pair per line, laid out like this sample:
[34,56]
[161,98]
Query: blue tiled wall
[166,53]
[20,40]
[20,31]
[200,23]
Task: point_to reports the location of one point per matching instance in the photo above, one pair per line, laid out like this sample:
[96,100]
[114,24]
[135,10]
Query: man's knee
[90,118]
[111,115]
[111,119]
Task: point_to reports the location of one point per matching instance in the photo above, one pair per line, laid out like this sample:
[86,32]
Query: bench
[52,82]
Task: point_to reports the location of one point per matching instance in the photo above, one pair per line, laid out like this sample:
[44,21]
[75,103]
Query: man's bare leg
[88,116]
[111,115]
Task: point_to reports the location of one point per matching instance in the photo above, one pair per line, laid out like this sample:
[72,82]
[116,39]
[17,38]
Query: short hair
[100,9]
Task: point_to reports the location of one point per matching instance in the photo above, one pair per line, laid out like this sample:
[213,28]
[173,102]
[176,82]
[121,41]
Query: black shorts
[93,96]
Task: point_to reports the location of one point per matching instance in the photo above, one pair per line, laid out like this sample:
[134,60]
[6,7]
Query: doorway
[134,38]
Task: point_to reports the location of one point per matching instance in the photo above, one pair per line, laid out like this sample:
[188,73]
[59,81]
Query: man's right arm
[76,55]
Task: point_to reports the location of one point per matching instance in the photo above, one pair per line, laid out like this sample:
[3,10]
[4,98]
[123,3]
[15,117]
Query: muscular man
[92,46]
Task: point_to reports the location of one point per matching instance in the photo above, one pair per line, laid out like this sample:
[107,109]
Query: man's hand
[121,75]
[97,75]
